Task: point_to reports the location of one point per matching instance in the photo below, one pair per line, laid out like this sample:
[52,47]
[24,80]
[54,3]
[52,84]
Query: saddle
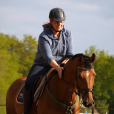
[38,87]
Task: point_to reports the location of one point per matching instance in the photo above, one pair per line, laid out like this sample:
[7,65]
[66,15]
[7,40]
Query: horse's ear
[80,59]
[92,58]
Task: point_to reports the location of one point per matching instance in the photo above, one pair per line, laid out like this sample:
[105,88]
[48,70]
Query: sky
[91,22]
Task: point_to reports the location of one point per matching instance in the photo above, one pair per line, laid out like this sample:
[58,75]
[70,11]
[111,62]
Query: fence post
[2,105]
[92,109]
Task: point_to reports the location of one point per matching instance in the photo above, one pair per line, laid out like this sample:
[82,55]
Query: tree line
[104,80]
[17,57]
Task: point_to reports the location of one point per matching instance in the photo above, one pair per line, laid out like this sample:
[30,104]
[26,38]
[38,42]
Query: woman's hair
[46,25]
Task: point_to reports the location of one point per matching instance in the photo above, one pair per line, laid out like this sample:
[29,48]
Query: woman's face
[58,25]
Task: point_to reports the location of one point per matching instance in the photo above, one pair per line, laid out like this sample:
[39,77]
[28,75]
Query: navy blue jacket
[51,48]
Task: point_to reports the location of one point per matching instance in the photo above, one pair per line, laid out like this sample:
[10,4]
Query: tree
[102,104]
[16,58]
[25,50]
[27,54]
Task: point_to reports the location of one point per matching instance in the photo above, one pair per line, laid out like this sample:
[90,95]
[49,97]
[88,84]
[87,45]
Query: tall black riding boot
[27,100]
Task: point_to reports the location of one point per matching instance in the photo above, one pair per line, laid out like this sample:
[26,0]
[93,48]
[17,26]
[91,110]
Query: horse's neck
[59,89]
[70,69]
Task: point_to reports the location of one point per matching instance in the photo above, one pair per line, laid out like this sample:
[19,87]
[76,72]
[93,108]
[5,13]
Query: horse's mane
[85,59]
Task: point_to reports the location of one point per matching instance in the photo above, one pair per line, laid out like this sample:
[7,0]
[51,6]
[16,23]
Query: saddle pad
[20,95]
[40,89]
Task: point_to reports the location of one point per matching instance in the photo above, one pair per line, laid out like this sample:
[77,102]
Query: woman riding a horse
[62,91]
[54,43]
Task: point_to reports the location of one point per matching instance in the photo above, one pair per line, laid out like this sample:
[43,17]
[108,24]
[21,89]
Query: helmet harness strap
[58,31]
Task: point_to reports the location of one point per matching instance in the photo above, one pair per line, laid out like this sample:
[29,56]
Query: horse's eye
[80,76]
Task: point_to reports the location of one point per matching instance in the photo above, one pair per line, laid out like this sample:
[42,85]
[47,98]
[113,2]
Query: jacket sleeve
[45,49]
[69,50]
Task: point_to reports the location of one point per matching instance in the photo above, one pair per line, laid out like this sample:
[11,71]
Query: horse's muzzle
[87,104]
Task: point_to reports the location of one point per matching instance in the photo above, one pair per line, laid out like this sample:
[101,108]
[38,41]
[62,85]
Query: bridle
[86,89]
[69,108]
[79,90]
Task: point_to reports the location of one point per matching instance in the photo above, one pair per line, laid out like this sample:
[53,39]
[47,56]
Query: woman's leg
[35,71]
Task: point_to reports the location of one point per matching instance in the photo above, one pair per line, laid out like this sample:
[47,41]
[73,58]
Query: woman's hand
[54,64]
[60,71]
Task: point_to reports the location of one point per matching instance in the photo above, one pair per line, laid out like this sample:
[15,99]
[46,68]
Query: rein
[69,108]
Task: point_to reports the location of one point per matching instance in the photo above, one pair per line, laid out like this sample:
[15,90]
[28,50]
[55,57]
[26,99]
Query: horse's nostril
[92,101]
[85,103]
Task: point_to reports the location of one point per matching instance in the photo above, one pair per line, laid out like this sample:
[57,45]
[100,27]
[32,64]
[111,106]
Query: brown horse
[60,95]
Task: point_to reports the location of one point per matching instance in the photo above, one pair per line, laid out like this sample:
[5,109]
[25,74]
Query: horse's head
[85,75]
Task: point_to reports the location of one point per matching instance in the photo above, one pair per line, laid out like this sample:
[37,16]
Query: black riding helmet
[57,14]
